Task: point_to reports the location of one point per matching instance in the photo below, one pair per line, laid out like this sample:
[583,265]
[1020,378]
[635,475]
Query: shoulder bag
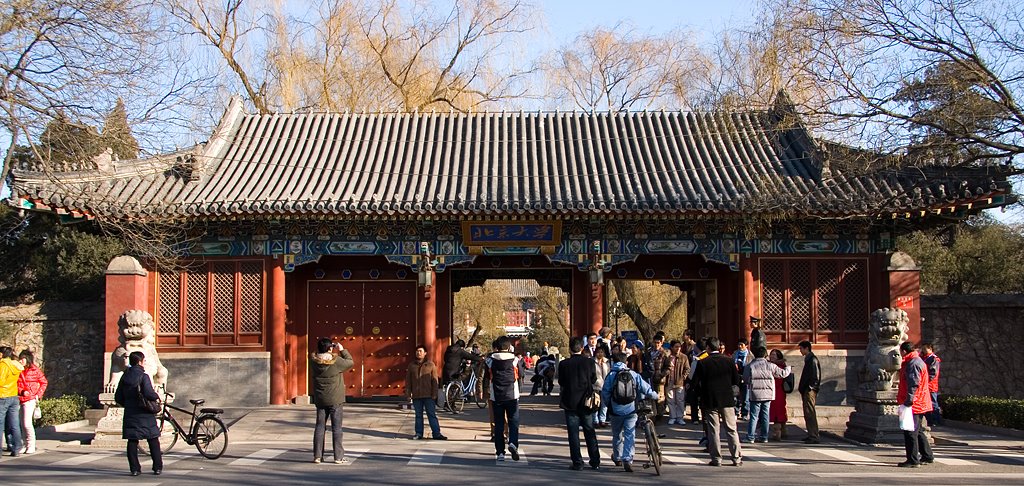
[151,406]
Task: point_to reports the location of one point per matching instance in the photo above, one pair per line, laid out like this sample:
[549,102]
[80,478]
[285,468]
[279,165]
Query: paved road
[272,445]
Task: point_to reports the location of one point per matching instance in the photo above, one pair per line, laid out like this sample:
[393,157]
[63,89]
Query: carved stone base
[875,420]
[109,428]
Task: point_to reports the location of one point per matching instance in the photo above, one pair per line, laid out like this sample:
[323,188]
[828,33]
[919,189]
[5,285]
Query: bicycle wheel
[653,447]
[172,439]
[211,436]
[453,396]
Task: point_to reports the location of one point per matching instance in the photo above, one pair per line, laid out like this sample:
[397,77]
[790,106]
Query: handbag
[592,401]
[789,383]
[151,406]
[36,413]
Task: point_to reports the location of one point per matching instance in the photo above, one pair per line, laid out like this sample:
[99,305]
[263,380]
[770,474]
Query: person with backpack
[621,390]
[503,370]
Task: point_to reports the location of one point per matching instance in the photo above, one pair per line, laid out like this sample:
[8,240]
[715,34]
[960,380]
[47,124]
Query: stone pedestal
[109,428]
[875,420]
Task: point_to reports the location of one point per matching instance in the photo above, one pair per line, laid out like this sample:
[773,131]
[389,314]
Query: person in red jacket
[933,362]
[914,393]
[31,386]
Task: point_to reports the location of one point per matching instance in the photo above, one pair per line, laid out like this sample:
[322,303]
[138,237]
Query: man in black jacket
[810,382]
[718,383]
[576,378]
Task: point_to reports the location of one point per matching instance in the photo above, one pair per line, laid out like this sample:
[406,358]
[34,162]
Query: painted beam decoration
[511,233]
[567,242]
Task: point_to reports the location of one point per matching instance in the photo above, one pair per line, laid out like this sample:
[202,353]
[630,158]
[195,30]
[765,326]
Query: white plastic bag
[906,418]
[36,413]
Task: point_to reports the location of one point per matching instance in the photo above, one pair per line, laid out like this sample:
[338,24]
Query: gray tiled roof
[495,164]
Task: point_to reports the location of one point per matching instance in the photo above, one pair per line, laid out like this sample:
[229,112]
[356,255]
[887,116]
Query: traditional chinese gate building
[361,227]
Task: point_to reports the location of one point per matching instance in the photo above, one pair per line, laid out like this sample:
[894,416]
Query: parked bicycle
[460,390]
[206,431]
[645,422]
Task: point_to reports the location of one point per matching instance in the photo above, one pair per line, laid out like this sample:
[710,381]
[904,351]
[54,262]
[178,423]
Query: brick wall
[67,341]
[980,339]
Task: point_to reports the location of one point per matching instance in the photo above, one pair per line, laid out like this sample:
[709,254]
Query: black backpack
[624,391]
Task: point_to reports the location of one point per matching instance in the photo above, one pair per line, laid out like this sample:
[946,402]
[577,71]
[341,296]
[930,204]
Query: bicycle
[457,392]
[644,422]
[206,431]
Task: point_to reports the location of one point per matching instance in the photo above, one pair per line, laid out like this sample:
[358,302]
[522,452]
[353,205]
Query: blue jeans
[623,437]
[757,427]
[419,404]
[601,415]
[507,410]
[935,416]
[335,413]
[10,416]
[573,422]
[743,402]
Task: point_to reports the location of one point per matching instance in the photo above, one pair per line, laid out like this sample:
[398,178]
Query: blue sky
[566,18]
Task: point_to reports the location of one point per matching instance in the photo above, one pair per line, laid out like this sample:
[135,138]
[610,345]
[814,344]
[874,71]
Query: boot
[784,434]
[776,432]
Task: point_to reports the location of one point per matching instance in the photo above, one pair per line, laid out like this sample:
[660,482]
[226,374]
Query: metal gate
[376,322]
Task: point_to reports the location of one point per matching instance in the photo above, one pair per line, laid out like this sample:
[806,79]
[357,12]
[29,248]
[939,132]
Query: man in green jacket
[329,395]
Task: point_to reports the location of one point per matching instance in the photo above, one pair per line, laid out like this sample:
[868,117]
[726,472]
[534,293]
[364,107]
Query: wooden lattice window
[214,304]
[801,297]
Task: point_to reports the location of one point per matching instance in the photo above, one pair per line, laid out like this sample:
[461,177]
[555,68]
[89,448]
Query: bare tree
[73,58]
[747,66]
[651,306]
[618,69]
[225,28]
[918,74]
[448,59]
[482,309]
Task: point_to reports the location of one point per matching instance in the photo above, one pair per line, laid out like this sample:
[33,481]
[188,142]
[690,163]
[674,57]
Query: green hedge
[67,408]
[997,412]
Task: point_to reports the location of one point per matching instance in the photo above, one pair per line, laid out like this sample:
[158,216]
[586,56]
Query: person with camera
[328,371]
[139,424]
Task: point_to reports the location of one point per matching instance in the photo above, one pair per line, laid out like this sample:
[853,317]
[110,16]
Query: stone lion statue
[882,358]
[137,333]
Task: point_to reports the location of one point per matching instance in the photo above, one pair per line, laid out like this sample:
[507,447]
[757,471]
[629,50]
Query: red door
[376,322]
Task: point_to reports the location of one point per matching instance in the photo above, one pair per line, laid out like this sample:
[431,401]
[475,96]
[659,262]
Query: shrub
[997,412]
[67,408]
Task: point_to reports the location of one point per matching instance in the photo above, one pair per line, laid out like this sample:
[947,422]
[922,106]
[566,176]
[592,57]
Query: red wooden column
[751,305]
[277,335]
[905,291]
[595,308]
[426,298]
[127,288]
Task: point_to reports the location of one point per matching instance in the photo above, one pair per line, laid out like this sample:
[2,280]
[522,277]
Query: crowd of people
[600,385]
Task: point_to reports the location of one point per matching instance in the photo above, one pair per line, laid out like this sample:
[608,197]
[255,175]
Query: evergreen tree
[118,135]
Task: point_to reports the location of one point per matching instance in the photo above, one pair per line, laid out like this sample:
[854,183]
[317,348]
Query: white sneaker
[680,422]
[514,451]
[500,457]
[672,421]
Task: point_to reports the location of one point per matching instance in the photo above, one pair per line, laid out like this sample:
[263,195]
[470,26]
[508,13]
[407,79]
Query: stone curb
[65,427]
[986,429]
